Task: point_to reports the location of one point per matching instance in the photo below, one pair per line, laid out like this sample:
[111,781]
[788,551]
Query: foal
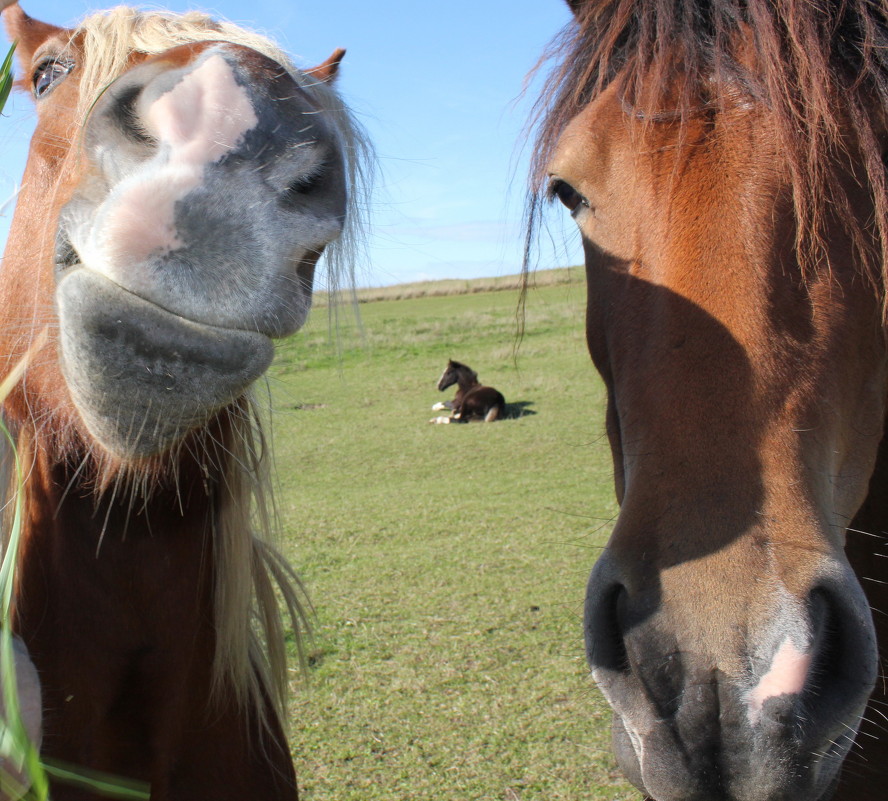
[473,400]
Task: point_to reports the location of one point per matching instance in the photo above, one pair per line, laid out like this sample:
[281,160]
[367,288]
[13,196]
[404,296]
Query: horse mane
[251,577]
[820,70]
[472,374]
[250,655]
[111,37]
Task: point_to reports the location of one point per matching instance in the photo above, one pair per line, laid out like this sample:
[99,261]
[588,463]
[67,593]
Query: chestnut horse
[724,163]
[183,181]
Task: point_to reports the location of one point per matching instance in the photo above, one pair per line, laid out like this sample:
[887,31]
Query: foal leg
[456,417]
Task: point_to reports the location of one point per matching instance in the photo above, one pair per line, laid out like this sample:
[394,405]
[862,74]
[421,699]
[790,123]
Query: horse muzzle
[141,376]
[211,186]
[760,707]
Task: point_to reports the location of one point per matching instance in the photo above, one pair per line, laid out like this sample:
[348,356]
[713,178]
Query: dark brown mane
[820,68]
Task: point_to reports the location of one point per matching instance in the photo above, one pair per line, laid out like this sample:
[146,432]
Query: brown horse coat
[183,180]
[723,163]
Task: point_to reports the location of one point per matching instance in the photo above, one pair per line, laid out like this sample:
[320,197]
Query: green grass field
[447,564]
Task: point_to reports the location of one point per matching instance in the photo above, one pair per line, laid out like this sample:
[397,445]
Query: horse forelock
[819,70]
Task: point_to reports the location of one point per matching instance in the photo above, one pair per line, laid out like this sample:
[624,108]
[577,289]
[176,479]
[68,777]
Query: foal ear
[329,69]
[28,33]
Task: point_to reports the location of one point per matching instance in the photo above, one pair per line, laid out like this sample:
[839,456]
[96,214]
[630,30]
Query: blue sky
[437,86]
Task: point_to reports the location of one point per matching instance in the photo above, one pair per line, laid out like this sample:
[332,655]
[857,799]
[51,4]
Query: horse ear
[28,33]
[329,69]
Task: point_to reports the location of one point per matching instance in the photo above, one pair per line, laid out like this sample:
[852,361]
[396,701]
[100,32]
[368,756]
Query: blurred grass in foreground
[16,749]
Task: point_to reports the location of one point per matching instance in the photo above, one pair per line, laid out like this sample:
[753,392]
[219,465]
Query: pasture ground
[447,564]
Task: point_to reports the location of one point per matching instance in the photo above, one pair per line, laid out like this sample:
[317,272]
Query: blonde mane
[251,575]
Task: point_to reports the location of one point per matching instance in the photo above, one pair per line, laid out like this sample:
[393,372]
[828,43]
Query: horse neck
[153,543]
[179,538]
[131,531]
[467,380]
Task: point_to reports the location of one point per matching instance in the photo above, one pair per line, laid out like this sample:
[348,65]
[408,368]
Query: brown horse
[473,400]
[725,164]
[182,183]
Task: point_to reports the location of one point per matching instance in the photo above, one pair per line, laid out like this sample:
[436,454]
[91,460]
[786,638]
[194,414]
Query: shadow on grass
[517,410]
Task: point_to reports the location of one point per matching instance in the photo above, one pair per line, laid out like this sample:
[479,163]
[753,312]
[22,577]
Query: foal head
[183,180]
[734,312]
[456,373]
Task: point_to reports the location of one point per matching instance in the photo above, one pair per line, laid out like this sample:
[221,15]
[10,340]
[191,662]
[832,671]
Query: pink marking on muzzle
[787,676]
[200,119]
[204,116]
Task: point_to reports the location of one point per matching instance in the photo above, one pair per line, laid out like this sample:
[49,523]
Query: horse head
[456,373]
[736,319]
[182,184]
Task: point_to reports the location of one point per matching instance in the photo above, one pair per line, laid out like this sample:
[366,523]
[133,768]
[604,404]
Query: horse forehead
[674,200]
[595,142]
[610,141]
[252,61]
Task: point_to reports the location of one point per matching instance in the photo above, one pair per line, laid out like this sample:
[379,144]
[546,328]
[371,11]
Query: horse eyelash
[67,66]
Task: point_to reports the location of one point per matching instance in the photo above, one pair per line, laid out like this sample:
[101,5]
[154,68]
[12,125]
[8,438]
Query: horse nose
[214,186]
[709,706]
[229,102]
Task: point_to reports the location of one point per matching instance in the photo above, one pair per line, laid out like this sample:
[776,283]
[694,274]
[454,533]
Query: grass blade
[6,77]
[16,749]
[100,783]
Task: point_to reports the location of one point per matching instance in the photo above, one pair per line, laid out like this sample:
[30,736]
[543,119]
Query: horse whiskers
[867,533]
[84,461]
[877,723]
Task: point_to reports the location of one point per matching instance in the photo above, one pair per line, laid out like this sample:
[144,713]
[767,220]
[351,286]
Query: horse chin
[625,754]
[663,780]
[142,377]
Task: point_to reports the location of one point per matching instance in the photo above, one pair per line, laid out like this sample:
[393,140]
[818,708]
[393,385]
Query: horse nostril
[838,677]
[605,628]
[833,652]
[303,188]
[65,255]
[827,634]
[125,116]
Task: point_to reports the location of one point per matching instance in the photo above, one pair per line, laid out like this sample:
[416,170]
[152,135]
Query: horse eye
[571,199]
[48,73]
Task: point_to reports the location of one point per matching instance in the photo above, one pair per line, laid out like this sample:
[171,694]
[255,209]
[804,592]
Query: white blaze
[196,123]
[786,676]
